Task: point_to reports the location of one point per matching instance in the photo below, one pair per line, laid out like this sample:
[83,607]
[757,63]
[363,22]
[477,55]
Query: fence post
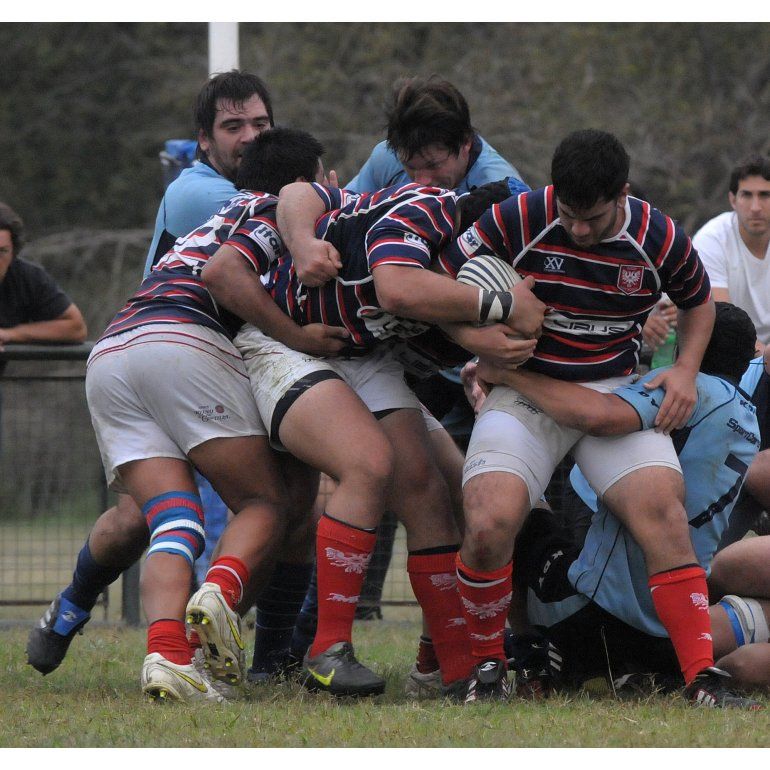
[131,612]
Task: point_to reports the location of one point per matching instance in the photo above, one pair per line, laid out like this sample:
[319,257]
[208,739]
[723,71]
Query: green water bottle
[664,355]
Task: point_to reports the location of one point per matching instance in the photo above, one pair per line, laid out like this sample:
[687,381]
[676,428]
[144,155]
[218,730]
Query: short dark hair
[732,343]
[276,158]
[233,86]
[11,221]
[754,165]
[589,167]
[426,111]
[473,204]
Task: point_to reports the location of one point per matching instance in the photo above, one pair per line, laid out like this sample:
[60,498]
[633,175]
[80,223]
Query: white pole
[223,46]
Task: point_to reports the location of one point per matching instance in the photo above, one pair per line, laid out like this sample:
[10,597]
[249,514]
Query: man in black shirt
[33,308]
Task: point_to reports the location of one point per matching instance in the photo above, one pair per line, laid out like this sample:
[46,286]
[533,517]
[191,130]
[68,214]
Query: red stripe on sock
[232,590]
[680,597]
[434,582]
[342,556]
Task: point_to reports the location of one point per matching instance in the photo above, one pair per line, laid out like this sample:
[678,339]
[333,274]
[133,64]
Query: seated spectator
[33,307]
[734,246]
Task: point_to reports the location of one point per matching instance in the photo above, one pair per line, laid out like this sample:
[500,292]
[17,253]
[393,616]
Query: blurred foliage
[85,108]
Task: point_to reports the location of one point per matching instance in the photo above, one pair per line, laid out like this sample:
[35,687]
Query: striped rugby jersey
[599,296]
[174,292]
[407,226]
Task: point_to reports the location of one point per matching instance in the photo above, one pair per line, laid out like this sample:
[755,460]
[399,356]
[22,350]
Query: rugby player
[168,391]
[378,248]
[601,260]
[593,597]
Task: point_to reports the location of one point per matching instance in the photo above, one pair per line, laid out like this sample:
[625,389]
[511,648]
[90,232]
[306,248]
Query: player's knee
[175,521]
[374,467]
[490,531]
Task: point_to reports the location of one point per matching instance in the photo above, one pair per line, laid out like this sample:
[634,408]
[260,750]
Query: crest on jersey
[469,242]
[630,278]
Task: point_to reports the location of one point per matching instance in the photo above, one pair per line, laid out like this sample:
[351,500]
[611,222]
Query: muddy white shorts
[279,375]
[161,389]
[512,435]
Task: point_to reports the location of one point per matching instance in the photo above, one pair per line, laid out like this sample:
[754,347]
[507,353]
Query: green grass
[93,700]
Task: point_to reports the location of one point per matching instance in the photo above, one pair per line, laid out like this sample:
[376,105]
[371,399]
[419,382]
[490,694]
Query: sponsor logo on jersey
[268,240]
[414,240]
[382,325]
[630,278]
[560,323]
[554,264]
[736,427]
[469,242]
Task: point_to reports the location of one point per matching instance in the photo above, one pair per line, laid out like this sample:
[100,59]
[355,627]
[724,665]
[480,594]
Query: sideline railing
[52,485]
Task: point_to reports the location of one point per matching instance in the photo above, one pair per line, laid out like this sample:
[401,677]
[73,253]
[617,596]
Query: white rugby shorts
[279,375]
[161,389]
[512,435]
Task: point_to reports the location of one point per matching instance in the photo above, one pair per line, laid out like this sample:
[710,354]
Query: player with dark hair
[33,308]
[431,141]
[735,245]
[231,110]
[592,596]
[386,242]
[167,390]
[600,261]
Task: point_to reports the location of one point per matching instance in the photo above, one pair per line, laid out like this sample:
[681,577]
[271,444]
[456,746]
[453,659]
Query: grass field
[93,700]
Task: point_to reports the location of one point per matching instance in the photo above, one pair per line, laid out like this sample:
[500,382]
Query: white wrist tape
[494,306]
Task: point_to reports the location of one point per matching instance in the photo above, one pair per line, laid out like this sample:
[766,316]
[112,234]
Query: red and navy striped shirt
[599,296]
[174,292]
[407,226]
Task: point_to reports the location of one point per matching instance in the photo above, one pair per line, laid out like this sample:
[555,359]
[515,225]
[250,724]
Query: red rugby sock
[231,575]
[342,556]
[485,597]
[434,582]
[680,597]
[168,638]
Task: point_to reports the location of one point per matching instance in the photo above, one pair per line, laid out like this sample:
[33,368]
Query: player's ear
[624,194]
[203,140]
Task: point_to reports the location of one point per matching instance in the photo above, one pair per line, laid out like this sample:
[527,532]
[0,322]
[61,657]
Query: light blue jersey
[751,376]
[384,169]
[190,200]
[715,449]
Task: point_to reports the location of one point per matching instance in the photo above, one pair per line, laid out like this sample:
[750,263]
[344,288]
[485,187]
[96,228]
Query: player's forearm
[236,287]
[423,295]
[569,404]
[694,332]
[299,206]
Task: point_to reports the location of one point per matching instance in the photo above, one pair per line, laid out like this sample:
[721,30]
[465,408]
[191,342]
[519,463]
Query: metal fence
[51,481]
[52,490]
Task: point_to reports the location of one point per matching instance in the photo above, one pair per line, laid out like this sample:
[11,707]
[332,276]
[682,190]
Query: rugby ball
[490,273]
